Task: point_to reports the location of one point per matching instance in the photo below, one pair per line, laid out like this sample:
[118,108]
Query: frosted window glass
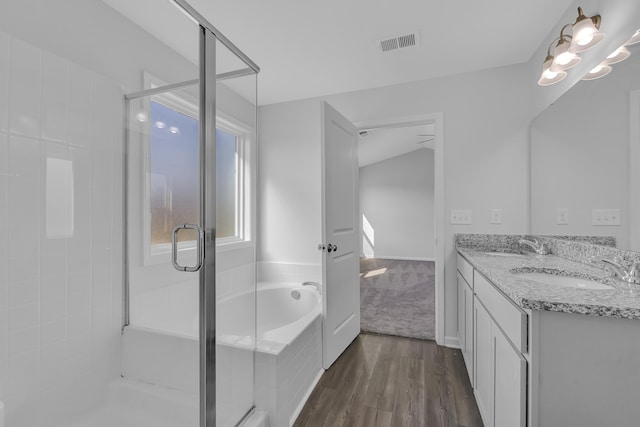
[174,176]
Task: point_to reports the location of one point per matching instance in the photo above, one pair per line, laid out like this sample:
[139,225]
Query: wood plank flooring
[392,381]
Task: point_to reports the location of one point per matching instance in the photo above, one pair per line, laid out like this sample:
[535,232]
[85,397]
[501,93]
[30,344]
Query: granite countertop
[623,301]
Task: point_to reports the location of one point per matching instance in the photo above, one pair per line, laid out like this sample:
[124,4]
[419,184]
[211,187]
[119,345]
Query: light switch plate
[562,216]
[605,217]
[496,216]
[460,216]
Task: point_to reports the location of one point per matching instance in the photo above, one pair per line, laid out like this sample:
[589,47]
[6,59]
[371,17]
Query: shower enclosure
[127,215]
[190,172]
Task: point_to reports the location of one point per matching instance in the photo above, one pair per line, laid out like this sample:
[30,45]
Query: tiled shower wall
[60,239]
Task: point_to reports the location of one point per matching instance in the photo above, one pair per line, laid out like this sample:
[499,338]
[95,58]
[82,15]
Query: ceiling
[307,49]
[315,48]
[310,49]
[380,144]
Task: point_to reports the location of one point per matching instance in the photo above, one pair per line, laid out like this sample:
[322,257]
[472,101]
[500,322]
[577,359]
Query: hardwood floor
[391,381]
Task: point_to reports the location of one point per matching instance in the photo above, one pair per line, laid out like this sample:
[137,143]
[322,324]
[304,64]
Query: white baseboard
[401,258]
[451,342]
[295,414]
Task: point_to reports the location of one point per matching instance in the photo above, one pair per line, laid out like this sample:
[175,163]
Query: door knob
[331,248]
[321,247]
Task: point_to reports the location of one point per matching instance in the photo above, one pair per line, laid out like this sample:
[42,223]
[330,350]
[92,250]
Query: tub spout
[314,284]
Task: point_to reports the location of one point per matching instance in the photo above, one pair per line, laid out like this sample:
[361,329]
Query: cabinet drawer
[511,319]
[466,270]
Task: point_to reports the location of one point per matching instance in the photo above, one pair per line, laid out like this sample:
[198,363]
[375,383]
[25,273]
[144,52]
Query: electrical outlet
[562,216]
[605,217]
[496,216]
[460,216]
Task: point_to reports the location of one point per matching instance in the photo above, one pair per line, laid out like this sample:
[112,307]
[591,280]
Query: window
[173,185]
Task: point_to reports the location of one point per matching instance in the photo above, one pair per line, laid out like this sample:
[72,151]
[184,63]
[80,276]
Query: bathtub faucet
[315,284]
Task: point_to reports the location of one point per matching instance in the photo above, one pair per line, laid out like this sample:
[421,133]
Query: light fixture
[634,39]
[563,58]
[586,32]
[598,71]
[549,76]
[618,55]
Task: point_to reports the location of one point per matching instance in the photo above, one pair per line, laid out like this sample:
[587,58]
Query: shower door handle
[199,246]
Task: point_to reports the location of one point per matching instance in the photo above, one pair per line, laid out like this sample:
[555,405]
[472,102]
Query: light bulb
[549,76]
[619,55]
[564,58]
[634,39]
[598,71]
[585,33]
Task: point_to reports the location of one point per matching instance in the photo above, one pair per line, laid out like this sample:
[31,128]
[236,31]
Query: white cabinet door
[483,357]
[509,383]
[468,354]
[461,313]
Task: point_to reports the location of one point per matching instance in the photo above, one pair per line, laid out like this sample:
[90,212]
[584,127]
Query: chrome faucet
[538,247]
[631,275]
[314,284]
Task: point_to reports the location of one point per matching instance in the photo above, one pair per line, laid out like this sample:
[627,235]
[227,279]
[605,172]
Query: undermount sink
[506,254]
[560,278]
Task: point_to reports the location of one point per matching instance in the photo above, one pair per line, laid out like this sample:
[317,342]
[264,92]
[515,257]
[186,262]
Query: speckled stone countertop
[622,301]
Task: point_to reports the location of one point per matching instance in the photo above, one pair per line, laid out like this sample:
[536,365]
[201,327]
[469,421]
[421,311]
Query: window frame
[160,253]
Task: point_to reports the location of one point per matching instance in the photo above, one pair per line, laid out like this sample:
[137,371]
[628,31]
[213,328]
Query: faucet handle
[634,272]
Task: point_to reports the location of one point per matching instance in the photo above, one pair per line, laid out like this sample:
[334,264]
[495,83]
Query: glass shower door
[191,248]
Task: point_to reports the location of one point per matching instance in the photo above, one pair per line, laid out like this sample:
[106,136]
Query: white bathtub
[288,346]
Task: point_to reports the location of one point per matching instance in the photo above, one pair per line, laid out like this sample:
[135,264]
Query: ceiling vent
[399,42]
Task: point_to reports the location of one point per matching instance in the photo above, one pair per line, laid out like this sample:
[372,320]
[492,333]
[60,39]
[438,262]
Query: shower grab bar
[199,245]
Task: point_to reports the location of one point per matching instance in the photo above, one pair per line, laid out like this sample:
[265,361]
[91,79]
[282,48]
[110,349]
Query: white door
[340,228]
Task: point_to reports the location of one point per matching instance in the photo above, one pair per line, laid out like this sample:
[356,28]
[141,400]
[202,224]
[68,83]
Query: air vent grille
[399,42]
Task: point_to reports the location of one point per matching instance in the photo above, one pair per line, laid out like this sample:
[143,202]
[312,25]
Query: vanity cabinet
[571,361]
[492,332]
[465,314]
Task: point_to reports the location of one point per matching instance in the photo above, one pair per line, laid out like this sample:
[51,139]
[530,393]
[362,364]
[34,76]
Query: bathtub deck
[391,381]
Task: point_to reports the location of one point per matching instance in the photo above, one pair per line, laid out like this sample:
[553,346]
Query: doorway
[401,199]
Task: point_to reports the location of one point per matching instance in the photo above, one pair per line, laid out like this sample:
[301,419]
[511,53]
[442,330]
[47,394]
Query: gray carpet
[397,297]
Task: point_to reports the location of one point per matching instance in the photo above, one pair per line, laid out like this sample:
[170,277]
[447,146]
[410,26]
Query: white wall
[289,205]
[486,120]
[90,33]
[397,199]
[580,156]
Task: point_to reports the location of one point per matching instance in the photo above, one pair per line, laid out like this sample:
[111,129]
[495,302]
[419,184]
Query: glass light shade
[564,58]
[585,35]
[634,39]
[600,70]
[619,55]
[549,76]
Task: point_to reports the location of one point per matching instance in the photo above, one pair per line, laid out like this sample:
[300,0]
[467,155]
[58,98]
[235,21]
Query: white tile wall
[60,299]
[288,272]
